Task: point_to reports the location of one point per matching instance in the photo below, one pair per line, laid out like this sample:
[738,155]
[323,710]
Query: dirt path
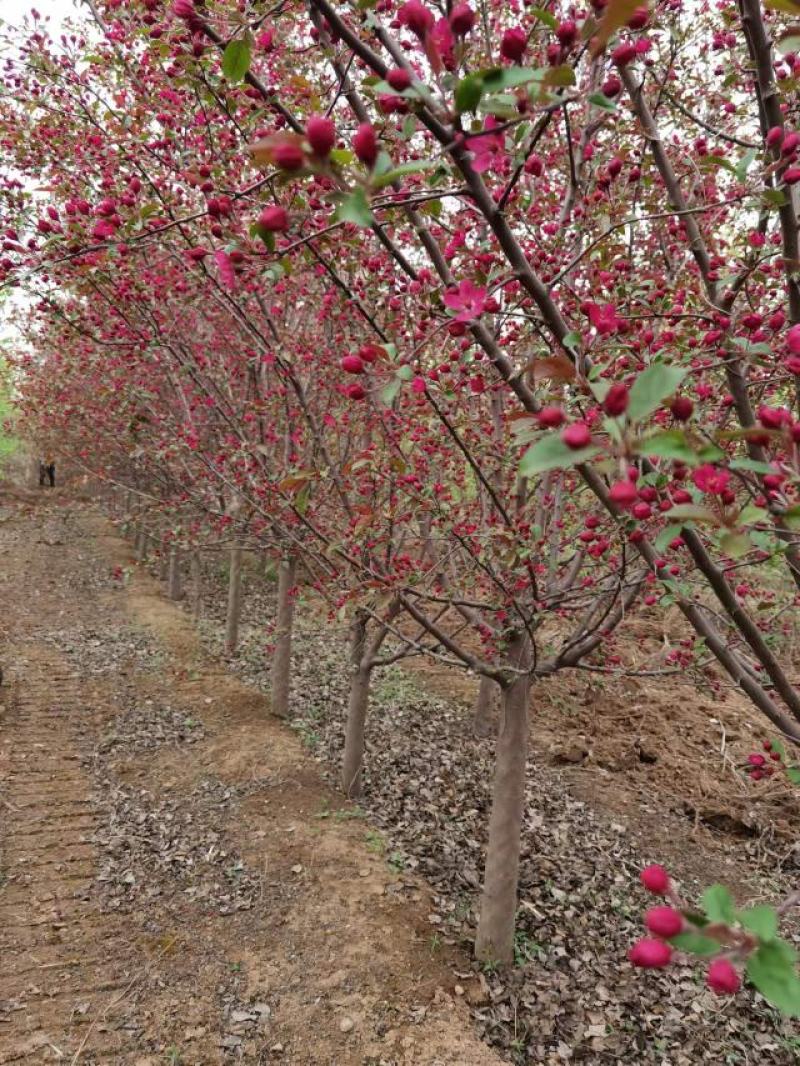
[176,885]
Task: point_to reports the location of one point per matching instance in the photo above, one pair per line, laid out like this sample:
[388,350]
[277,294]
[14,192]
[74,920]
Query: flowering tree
[467,310]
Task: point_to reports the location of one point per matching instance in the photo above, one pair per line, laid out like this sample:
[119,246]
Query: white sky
[13,11]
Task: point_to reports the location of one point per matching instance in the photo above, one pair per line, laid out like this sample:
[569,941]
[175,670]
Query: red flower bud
[513,44]
[655,879]
[681,408]
[416,17]
[567,32]
[624,54]
[352,364]
[576,436]
[722,978]
[650,954]
[665,922]
[288,155]
[365,144]
[462,19]
[321,135]
[550,417]
[399,79]
[616,400]
[623,493]
[355,392]
[274,219]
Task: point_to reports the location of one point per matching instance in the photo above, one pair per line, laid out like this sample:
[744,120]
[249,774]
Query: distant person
[50,466]
[42,473]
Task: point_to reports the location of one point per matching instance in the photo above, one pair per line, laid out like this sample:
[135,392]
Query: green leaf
[390,390]
[572,340]
[600,100]
[771,970]
[735,544]
[793,773]
[264,234]
[544,16]
[669,444]
[695,944]
[499,78]
[790,42]
[665,536]
[773,197]
[400,172]
[561,76]
[763,921]
[342,156]
[468,93]
[744,164]
[355,208]
[750,514]
[302,498]
[551,453]
[718,905]
[691,512]
[651,388]
[236,59]
[751,464]
[791,517]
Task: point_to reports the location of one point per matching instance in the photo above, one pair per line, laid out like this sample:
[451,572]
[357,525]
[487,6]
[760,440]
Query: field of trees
[444,355]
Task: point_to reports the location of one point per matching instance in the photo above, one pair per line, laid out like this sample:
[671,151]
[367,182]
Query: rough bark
[197,586]
[234,601]
[484,709]
[282,657]
[163,564]
[175,577]
[495,936]
[140,544]
[358,704]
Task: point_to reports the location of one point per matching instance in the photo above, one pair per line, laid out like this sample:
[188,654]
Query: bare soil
[177,883]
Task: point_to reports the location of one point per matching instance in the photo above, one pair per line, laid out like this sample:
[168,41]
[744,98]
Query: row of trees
[482,321]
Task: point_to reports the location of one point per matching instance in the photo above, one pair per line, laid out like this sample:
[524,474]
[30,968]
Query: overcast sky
[13,11]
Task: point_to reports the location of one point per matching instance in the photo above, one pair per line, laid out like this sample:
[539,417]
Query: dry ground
[177,884]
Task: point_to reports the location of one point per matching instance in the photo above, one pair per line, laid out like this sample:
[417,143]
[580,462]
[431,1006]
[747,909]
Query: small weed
[526,949]
[375,842]
[490,966]
[435,943]
[236,967]
[309,737]
[341,814]
[173,1056]
[397,861]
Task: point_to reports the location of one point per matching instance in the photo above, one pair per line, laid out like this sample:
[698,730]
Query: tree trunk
[234,601]
[484,709]
[360,675]
[141,544]
[128,507]
[175,582]
[495,936]
[282,656]
[197,586]
[163,564]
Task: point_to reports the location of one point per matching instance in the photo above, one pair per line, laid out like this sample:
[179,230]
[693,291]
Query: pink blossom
[711,479]
[486,148]
[604,319]
[103,230]
[227,274]
[468,299]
